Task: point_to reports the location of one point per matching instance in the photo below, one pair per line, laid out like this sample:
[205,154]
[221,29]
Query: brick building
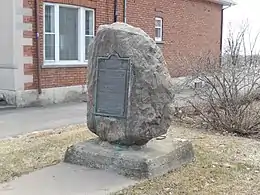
[52,68]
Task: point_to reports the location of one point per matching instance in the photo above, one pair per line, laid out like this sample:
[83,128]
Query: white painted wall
[7,42]
[11,42]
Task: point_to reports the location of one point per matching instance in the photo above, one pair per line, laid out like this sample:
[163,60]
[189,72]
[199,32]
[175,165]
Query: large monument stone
[129,87]
[129,103]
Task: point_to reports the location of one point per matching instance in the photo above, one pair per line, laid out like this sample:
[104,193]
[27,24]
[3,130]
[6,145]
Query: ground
[29,152]
[25,120]
[223,165]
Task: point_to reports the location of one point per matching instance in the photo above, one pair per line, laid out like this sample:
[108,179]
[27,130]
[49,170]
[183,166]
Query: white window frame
[81,35]
[161,29]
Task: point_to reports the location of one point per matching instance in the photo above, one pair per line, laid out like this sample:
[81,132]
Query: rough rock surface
[150,98]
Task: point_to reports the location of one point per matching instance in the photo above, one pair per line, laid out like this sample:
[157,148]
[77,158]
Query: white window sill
[159,42]
[65,64]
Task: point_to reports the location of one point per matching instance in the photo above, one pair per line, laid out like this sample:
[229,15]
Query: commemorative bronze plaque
[111,94]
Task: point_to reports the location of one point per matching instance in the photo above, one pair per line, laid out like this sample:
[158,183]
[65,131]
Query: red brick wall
[190,27]
[57,77]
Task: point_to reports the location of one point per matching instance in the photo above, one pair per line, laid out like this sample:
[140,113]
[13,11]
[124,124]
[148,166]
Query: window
[68,31]
[158,29]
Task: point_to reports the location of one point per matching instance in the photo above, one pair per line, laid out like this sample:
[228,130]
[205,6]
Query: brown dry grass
[224,164]
[34,151]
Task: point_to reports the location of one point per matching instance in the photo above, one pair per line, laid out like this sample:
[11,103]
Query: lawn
[34,151]
[223,165]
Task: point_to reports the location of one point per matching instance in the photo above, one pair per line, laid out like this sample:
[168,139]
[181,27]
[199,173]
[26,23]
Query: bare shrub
[228,100]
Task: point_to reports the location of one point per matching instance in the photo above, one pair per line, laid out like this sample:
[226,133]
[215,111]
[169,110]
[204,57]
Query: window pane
[89,23]
[87,42]
[158,23]
[68,23]
[49,47]
[158,33]
[49,18]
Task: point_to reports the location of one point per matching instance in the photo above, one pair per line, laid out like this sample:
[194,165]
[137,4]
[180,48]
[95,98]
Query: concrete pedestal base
[156,158]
